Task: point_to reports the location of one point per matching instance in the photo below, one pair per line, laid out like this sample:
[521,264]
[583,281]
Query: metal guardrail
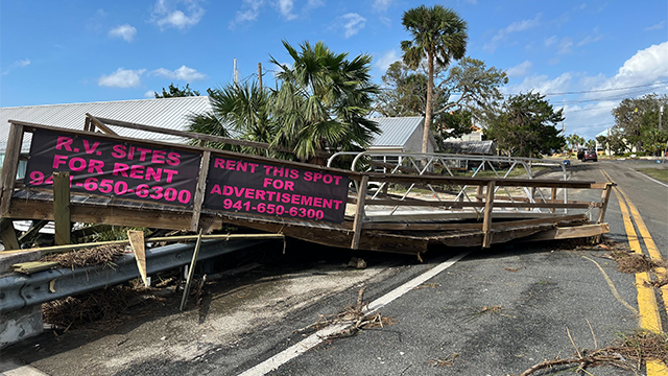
[19,291]
[425,164]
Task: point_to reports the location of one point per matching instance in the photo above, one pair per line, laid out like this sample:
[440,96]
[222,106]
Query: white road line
[315,339]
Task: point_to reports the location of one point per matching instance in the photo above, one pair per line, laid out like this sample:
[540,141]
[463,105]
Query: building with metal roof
[171,113]
[401,134]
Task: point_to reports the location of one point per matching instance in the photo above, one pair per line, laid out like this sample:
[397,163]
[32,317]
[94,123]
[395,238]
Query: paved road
[493,312]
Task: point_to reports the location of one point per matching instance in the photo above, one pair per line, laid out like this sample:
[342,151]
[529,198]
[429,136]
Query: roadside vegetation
[656,173]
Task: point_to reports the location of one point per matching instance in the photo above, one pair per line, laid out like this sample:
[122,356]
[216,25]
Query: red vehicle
[590,155]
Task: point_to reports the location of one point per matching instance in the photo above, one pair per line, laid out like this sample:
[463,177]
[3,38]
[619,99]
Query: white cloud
[285,7]
[149,94]
[645,67]
[385,60]
[250,10]
[565,45]
[123,78]
[352,23]
[591,38]
[184,74]
[550,41]
[658,26]
[541,84]
[519,70]
[126,32]
[382,5]
[514,27]
[166,13]
[21,63]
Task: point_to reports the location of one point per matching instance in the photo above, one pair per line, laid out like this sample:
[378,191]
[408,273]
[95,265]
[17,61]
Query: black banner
[113,168]
[242,186]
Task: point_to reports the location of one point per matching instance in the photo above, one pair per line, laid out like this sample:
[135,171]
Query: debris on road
[103,255]
[631,263]
[629,352]
[444,362]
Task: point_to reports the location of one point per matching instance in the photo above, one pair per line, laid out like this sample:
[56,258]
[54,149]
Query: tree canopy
[439,35]
[176,91]
[637,122]
[526,126]
[320,103]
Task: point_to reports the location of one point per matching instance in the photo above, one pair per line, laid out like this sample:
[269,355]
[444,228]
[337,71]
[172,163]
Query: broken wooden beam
[61,207]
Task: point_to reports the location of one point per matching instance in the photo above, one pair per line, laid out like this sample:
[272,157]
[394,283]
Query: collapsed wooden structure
[489,211]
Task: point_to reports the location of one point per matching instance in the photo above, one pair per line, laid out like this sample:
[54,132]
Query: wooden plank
[553,197]
[33,230]
[61,207]
[101,125]
[499,204]
[34,266]
[563,220]
[605,198]
[203,137]
[359,214]
[87,124]
[583,231]
[479,195]
[191,272]
[136,239]
[200,191]
[487,219]
[10,167]
[8,234]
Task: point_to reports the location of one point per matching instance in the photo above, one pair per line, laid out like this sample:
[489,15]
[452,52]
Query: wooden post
[97,123]
[359,214]
[553,197]
[200,190]
[259,75]
[8,234]
[479,194]
[61,207]
[605,197]
[87,124]
[136,239]
[191,272]
[10,167]
[487,219]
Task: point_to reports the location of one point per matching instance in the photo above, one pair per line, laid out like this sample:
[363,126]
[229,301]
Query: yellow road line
[647,305]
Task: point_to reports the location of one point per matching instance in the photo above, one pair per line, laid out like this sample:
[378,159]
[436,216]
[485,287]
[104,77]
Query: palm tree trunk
[428,111]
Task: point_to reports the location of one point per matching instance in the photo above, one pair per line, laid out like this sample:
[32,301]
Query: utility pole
[259,75]
[236,74]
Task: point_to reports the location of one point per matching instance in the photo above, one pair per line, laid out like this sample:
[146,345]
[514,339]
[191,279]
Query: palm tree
[322,101]
[440,34]
[243,110]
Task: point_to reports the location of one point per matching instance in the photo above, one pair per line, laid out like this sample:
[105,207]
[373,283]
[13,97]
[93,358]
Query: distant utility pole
[236,74]
[259,75]
[660,114]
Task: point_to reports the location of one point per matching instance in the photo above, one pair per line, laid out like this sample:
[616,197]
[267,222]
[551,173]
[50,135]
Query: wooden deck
[375,222]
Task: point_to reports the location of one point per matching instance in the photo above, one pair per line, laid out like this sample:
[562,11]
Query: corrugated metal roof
[469,147]
[396,130]
[170,113]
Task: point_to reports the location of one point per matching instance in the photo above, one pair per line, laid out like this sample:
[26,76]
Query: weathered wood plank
[487,219]
[200,191]
[10,166]
[359,214]
[583,231]
[61,207]
[8,234]
[33,230]
[101,125]
[136,239]
[605,198]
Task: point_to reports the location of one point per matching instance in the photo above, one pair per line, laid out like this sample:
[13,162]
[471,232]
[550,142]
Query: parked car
[590,155]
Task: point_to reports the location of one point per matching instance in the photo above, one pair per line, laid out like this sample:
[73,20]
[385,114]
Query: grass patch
[656,173]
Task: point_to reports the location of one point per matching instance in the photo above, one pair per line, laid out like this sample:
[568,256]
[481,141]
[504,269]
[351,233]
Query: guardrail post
[8,234]
[61,207]
[487,219]
[359,213]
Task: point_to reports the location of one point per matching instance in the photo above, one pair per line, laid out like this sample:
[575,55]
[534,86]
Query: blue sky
[85,51]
